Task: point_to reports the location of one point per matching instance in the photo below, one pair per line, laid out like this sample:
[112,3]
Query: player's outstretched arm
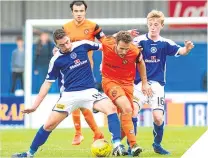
[41,95]
[187,48]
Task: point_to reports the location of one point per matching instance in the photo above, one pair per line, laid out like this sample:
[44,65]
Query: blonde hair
[156,14]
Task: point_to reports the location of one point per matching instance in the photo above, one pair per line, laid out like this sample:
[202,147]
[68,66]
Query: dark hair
[124,36]
[58,34]
[19,38]
[78,3]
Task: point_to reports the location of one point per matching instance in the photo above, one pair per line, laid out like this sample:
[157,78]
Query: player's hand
[147,90]
[28,110]
[134,32]
[189,45]
[55,50]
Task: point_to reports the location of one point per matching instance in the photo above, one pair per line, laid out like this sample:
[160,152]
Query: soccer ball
[101,148]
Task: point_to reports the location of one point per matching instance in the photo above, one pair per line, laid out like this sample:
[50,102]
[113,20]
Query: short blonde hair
[156,14]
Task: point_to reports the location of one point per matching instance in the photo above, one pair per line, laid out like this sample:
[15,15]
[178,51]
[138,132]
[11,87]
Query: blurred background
[186,76]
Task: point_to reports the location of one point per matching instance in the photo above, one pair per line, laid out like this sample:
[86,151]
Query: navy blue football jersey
[154,55]
[73,68]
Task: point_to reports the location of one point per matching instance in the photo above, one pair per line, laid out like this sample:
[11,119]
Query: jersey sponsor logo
[111,66]
[152,60]
[86,31]
[60,106]
[77,61]
[125,61]
[153,49]
[78,64]
[73,55]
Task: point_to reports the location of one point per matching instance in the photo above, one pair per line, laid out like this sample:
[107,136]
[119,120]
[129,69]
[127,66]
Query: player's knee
[127,109]
[49,127]
[111,108]
[106,106]
[135,110]
[158,119]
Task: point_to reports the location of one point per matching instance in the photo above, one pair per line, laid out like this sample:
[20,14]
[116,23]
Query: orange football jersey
[87,30]
[116,68]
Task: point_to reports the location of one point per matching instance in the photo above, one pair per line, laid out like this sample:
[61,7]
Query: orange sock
[91,121]
[122,134]
[128,128]
[76,120]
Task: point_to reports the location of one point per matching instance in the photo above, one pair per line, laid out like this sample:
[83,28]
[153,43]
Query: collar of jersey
[65,53]
[80,23]
[153,40]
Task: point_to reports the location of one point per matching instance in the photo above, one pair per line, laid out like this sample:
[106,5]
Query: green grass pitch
[176,139]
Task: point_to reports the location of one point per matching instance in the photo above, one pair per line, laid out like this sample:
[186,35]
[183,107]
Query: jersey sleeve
[172,48]
[138,54]
[53,70]
[90,45]
[98,33]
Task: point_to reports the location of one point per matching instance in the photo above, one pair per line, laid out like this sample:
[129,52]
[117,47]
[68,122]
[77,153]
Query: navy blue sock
[158,133]
[40,139]
[114,127]
[134,120]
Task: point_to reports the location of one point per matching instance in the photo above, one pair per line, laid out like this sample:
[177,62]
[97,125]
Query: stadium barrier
[182,109]
[10,111]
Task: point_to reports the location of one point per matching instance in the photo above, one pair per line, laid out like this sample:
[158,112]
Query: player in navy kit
[77,87]
[155,50]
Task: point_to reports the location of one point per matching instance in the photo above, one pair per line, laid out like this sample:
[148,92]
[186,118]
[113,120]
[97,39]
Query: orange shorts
[113,90]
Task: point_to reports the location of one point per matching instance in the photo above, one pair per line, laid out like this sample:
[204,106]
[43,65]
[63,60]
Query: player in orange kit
[83,29]
[120,57]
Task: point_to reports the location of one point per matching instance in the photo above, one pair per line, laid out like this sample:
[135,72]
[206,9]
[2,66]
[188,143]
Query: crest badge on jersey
[153,49]
[114,93]
[96,45]
[125,61]
[86,31]
[102,34]
[73,55]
